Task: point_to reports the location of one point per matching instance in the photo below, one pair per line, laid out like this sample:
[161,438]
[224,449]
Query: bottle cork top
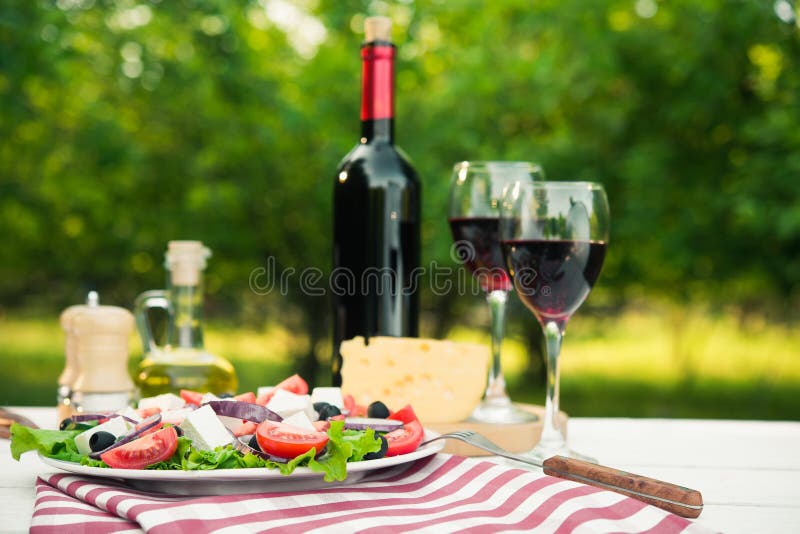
[377,29]
[185,261]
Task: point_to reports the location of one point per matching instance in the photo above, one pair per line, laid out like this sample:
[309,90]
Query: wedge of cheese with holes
[442,380]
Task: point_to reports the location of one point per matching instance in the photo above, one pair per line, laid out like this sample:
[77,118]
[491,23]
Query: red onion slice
[378,425]
[244,410]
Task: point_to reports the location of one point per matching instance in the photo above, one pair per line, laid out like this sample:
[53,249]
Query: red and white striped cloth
[441,493]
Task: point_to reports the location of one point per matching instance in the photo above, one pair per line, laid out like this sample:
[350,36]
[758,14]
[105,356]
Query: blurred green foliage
[125,123]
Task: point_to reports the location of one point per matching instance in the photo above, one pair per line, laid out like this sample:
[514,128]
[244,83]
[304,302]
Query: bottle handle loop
[156,298]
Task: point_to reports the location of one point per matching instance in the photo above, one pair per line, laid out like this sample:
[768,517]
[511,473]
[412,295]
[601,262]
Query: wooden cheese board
[518,437]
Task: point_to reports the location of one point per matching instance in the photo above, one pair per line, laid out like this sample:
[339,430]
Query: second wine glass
[554,237]
[476,192]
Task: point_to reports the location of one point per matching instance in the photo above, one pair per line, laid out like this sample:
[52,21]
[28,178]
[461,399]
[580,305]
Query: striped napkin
[441,493]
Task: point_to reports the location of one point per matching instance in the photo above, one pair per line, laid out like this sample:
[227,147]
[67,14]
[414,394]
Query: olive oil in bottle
[183,362]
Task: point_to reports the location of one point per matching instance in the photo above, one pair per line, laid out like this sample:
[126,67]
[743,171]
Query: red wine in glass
[483,258]
[554,277]
[476,191]
[554,237]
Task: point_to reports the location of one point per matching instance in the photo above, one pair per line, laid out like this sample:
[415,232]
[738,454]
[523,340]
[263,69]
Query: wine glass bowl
[554,237]
[476,194]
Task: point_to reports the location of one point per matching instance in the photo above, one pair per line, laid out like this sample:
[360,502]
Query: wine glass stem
[496,388]
[552,436]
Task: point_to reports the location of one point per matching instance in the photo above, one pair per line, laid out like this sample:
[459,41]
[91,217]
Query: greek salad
[280,427]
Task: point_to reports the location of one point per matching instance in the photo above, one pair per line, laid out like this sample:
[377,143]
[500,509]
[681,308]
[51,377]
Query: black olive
[254,443]
[379,454]
[101,440]
[320,405]
[378,409]
[329,411]
[178,430]
[65,424]
[225,396]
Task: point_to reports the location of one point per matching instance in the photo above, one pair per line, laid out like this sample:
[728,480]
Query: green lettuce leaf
[91,462]
[58,444]
[187,458]
[363,443]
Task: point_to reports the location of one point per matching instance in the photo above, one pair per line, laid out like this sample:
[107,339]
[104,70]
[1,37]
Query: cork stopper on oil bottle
[185,260]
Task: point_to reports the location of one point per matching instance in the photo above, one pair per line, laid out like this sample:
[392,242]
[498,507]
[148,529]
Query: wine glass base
[502,413]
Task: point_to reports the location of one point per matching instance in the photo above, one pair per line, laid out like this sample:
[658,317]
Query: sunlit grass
[651,347]
[684,363]
[274,344]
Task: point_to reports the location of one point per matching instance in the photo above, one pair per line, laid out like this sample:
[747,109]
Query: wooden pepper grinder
[66,380]
[101,336]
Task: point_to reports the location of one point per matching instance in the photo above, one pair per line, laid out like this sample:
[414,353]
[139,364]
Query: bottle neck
[377,91]
[186,316]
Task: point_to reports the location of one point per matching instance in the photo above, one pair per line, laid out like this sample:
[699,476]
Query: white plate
[233,481]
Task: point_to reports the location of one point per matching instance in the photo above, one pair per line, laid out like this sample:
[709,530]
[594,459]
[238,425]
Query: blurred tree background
[127,123]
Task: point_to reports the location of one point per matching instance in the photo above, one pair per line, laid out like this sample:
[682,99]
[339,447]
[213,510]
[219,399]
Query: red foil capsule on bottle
[377,81]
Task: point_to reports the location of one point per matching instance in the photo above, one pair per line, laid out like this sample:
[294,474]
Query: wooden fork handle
[681,501]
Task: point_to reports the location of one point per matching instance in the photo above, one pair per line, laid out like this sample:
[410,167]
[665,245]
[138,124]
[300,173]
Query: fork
[671,497]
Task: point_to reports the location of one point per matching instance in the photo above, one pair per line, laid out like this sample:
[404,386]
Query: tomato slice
[404,440]
[349,403]
[246,397]
[353,409]
[246,428]
[288,441]
[144,413]
[143,451]
[295,384]
[322,425]
[192,397]
[405,414]
[155,428]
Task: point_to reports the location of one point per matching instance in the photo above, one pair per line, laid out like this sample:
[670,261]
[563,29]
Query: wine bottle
[375,214]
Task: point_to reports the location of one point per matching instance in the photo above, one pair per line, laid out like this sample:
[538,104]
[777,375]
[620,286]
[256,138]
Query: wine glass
[476,192]
[554,237]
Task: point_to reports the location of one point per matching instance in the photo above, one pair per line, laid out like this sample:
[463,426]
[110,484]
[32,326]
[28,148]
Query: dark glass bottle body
[376,243]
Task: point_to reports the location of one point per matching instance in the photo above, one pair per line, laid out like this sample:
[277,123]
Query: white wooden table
[748,471]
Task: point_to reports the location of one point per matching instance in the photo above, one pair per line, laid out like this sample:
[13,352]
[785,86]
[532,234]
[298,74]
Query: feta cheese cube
[175,417]
[208,397]
[328,394]
[164,402]
[205,429]
[286,403]
[116,425]
[299,420]
[263,390]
